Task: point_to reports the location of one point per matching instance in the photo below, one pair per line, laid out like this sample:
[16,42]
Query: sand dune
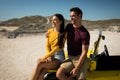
[18,56]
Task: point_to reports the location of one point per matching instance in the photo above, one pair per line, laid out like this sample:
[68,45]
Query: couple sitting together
[78,39]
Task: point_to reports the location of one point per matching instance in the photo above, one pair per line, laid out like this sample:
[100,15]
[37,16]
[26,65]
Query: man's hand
[74,72]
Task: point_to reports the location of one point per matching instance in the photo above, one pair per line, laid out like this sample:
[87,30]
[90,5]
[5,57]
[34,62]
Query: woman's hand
[49,59]
[46,34]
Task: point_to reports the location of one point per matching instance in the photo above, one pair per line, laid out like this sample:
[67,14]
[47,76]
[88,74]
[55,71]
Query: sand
[18,56]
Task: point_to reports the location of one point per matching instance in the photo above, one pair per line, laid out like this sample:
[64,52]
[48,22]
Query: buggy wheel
[50,76]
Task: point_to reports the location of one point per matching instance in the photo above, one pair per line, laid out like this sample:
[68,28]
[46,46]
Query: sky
[92,9]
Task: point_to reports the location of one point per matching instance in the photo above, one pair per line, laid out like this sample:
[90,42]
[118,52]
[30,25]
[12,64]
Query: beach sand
[18,56]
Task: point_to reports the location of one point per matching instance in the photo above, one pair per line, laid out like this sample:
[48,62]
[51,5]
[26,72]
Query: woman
[54,47]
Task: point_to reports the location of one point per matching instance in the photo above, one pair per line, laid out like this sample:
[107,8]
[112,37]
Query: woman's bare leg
[42,73]
[38,67]
[54,64]
[43,64]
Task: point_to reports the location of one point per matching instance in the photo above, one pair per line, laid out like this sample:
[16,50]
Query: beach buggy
[99,65]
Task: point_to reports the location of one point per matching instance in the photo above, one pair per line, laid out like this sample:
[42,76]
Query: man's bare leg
[61,74]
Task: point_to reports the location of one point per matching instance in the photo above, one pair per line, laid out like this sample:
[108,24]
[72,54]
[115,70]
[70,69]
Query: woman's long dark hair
[61,35]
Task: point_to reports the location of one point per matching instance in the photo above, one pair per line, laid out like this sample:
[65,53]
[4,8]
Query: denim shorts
[59,55]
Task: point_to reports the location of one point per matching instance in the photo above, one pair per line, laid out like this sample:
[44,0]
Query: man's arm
[83,56]
[81,60]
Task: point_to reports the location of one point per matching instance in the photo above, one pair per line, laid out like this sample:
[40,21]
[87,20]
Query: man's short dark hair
[77,10]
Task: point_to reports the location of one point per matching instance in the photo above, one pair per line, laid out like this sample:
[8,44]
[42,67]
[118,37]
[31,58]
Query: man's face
[74,17]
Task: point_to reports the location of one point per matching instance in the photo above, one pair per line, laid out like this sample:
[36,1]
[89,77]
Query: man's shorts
[71,62]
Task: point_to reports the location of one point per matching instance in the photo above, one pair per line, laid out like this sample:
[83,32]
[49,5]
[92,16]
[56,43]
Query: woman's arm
[55,49]
[48,48]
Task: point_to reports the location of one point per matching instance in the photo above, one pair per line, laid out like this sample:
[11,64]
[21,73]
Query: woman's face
[55,21]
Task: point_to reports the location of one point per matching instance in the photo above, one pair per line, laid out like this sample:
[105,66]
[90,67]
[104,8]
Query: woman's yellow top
[52,43]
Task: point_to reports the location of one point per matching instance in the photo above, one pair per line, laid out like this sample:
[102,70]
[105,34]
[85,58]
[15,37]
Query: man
[78,39]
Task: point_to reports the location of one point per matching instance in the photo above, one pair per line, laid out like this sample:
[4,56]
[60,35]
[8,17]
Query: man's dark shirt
[76,38]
